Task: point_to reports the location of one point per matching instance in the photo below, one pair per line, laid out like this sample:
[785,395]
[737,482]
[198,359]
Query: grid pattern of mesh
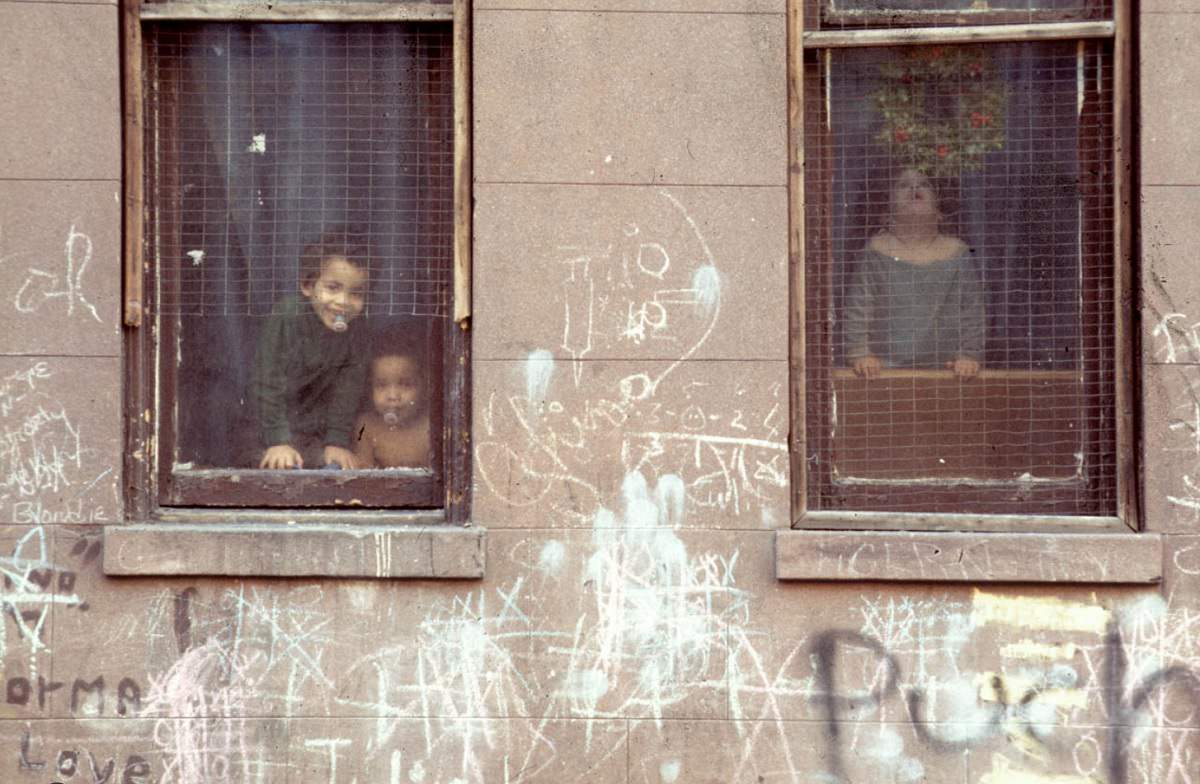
[263,140]
[853,14]
[959,221]
[268,136]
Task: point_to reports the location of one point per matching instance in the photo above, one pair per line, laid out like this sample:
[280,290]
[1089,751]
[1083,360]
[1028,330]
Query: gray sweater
[912,315]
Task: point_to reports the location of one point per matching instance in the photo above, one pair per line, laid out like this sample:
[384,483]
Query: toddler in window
[916,298]
[309,369]
[394,430]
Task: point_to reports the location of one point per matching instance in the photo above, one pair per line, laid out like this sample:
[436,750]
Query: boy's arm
[347,394]
[268,388]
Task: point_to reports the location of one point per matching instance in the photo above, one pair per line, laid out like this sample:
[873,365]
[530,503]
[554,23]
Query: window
[960,344]
[302,290]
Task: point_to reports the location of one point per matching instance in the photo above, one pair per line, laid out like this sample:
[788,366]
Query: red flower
[942,151]
[900,135]
[934,53]
[979,119]
[975,69]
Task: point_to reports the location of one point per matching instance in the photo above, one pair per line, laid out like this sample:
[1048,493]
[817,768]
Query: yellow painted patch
[1023,741]
[1038,613]
[1028,649]
[1004,773]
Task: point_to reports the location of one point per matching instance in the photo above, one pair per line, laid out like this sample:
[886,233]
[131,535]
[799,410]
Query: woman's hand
[868,366]
[281,456]
[964,367]
[341,456]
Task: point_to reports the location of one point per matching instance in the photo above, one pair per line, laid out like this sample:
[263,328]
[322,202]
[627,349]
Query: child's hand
[342,456]
[281,456]
[963,367]
[868,366]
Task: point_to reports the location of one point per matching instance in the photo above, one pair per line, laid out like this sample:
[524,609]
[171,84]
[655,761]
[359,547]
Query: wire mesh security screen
[303,228]
[846,14]
[959,279]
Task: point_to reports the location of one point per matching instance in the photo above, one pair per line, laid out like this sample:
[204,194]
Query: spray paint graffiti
[628,622]
[632,622]
[1025,710]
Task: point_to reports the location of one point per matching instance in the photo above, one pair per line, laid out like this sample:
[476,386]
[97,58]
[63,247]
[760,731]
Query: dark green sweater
[308,380]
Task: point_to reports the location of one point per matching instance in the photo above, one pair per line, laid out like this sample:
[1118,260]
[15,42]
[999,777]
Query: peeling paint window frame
[812,37]
[148,409]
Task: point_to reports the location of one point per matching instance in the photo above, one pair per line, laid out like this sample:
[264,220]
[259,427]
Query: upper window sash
[865,14]
[403,11]
[135,12]
[840,38]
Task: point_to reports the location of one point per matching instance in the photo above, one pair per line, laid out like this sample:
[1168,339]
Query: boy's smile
[338,295]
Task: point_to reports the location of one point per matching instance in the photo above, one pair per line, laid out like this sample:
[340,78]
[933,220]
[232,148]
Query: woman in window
[916,296]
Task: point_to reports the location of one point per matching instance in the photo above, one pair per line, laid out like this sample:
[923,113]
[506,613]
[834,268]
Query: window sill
[295,549]
[903,556]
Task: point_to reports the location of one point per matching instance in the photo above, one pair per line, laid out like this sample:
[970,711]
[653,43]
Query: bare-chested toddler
[394,430]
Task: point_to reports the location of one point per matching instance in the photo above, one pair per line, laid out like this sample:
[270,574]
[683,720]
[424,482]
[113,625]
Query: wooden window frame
[1000,29]
[959,19]
[445,497]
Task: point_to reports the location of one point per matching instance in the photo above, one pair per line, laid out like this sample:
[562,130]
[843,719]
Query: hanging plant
[943,108]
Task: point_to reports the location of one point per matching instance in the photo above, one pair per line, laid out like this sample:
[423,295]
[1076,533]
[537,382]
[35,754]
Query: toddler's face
[395,388]
[339,293]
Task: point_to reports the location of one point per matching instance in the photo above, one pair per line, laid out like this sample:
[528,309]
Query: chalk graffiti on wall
[1177,339]
[58,280]
[551,442]
[649,296]
[1079,692]
[629,621]
[1182,445]
[633,621]
[42,454]
[35,588]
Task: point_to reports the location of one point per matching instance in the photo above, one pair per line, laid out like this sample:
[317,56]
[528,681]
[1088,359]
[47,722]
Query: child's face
[339,293]
[395,388]
[913,195]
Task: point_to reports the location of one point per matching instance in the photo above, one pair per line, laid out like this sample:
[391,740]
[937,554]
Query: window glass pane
[302,180]
[959,279]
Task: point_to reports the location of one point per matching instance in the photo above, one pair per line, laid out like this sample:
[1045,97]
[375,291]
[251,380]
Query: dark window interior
[262,139]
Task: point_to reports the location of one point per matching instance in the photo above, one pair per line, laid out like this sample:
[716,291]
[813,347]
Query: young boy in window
[310,365]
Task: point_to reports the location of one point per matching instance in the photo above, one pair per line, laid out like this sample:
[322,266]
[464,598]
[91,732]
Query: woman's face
[913,195]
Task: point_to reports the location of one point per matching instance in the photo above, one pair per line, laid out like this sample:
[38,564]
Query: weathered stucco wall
[630,461]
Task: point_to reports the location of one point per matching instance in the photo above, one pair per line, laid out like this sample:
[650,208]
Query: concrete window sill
[302,549]
[894,556]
